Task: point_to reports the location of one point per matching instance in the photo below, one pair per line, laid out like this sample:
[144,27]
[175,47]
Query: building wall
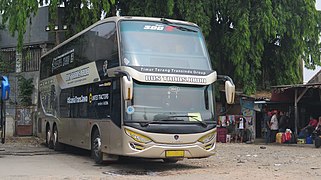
[35,33]
[36,42]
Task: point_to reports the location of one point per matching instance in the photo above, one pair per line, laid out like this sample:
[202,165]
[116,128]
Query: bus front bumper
[169,150]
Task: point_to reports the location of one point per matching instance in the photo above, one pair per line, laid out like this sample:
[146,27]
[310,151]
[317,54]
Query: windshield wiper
[165,21]
[143,123]
[164,117]
[193,117]
[147,123]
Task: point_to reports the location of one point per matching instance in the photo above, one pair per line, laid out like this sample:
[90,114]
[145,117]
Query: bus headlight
[207,138]
[138,137]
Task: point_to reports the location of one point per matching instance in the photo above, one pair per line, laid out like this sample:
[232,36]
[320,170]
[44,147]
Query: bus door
[114,133]
[5,90]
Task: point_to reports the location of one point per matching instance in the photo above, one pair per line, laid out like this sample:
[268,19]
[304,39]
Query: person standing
[274,124]
[240,129]
[283,122]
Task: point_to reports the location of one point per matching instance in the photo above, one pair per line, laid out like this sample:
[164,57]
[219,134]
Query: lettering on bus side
[62,60]
[76,99]
[77,74]
[86,101]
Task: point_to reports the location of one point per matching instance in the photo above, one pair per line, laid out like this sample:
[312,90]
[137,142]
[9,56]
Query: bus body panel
[79,134]
[114,145]
[81,90]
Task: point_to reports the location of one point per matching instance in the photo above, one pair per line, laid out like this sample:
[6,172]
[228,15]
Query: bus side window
[116,102]
[106,43]
[64,106]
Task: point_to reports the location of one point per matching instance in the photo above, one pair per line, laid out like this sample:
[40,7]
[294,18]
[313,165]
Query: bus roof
[116,19]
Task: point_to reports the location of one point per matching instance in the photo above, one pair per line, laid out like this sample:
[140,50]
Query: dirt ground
[252,161]
[232,161]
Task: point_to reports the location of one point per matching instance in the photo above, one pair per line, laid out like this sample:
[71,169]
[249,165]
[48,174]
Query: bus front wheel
[96,147]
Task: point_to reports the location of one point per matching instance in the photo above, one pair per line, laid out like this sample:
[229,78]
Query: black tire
[317,142]
[96,147]
[170,161]
[49,143]
[57,146]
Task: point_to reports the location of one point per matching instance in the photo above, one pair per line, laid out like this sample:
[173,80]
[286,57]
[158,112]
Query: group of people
[277,121]
[238,130]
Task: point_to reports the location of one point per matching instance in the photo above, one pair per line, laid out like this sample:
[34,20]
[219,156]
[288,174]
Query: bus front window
[155,44]
[171,103]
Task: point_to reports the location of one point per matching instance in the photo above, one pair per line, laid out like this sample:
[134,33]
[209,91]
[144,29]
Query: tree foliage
[16,14]
[25,90]
[257,43]
[242,34]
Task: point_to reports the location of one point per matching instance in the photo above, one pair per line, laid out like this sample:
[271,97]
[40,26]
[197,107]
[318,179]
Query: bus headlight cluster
[207,138]
[138,137]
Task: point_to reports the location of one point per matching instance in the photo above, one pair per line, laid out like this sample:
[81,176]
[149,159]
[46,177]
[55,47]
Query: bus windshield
[171,103]
[160,44]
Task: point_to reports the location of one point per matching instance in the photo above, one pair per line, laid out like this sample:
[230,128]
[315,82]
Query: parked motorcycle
[317,137]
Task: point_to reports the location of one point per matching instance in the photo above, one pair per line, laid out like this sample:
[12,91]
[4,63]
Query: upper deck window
[160,44]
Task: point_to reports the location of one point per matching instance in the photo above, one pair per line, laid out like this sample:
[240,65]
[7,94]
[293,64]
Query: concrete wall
[10,126]
[14,99]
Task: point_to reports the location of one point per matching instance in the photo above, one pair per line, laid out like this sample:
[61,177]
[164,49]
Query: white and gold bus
[131,86]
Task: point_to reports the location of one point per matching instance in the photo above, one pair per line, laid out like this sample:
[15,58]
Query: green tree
[79,14]
[257,43]
[241,38]
[25,90]
[83,12]
[16,14]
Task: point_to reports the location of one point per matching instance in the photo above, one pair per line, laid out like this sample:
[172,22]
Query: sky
[318,4]
[308,74]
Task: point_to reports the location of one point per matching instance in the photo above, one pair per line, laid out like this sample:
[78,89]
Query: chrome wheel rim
[97,146]
[48,136]
[55,136]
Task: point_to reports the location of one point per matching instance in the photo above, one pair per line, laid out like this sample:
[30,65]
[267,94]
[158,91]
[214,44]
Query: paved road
[232,161]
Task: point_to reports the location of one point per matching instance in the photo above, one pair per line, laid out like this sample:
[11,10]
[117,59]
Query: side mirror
[127,88]
[127,83]
[229,92]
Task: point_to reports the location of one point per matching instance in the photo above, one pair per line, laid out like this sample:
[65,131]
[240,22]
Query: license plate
[174,153]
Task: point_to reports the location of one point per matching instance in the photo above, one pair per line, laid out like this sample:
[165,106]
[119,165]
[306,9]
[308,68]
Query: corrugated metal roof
[309,85]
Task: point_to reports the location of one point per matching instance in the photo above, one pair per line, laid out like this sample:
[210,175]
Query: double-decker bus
[5,91]
[131,86]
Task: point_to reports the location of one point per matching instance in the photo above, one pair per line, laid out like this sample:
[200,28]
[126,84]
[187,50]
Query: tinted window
[98,44]
[88,101]
[106,43]
[158,44]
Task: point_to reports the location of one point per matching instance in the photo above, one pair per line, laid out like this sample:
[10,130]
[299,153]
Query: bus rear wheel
[57,146]
[48,138]
[96,147]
